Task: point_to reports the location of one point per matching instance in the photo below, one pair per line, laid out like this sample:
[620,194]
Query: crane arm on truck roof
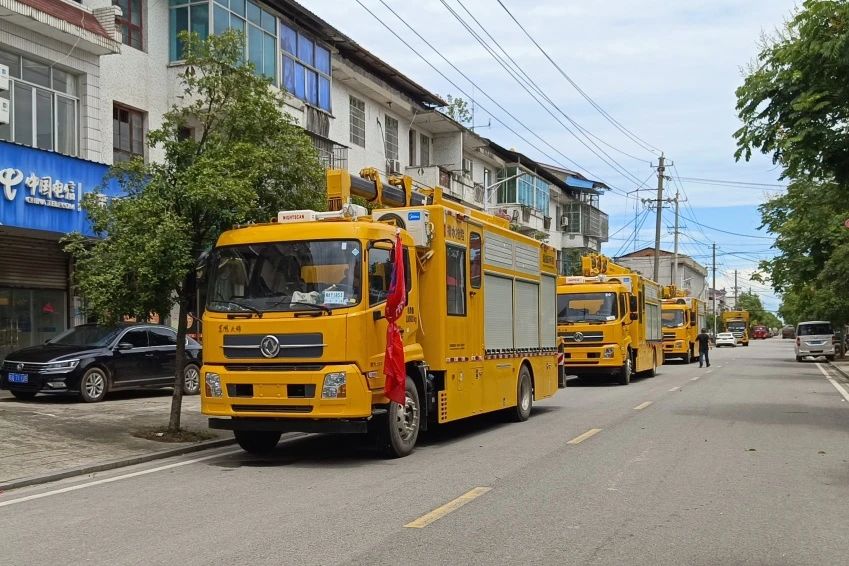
[596,264]
[396,193]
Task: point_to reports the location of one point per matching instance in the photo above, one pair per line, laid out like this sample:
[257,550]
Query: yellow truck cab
[737,323]
[294,327]
[608,320]
[683,318]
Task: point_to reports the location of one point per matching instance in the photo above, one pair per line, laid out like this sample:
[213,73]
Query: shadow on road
[780,414]
[70,398]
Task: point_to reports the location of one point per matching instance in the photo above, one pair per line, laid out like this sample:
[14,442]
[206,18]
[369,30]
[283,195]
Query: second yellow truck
[683,319]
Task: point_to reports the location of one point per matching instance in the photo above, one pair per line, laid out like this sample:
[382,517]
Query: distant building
[692,275]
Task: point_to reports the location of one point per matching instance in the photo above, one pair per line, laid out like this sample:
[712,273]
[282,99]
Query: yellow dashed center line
[642,406]
[582,437]
[443,510]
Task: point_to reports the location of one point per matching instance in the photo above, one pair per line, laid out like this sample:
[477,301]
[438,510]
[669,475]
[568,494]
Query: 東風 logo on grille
[269,346]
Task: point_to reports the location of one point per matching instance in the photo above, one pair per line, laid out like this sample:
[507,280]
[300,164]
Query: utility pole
[660,170]
[735,290]
[675,253]
[714,290]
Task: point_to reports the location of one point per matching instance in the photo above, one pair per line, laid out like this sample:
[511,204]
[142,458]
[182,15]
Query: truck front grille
[272,408]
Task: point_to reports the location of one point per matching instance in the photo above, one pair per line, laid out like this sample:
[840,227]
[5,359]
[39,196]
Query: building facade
[692,276]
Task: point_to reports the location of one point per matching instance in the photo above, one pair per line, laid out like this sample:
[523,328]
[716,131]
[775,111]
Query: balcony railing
[331,154]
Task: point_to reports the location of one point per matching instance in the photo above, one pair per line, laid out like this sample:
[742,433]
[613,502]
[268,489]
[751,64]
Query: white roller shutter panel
[527,315]
[498,307]
[548,312]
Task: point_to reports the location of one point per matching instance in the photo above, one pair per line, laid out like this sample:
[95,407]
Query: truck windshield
[285,276]
[586,307]
[673,319]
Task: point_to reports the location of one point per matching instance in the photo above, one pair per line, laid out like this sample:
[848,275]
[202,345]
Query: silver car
[814,338]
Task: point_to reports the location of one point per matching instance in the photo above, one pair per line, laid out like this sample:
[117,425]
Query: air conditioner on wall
[564,222]
[4,78]
[393,166]
[4,111]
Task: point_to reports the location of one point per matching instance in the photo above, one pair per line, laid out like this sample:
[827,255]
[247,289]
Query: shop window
[259,27]
[306,67]
[130,22]
[456,280]
[358,121]
[187,15]
[44,108]
[127,133]
[391,136]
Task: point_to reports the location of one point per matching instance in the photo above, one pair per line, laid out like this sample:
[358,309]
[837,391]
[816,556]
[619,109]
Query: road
[741,463]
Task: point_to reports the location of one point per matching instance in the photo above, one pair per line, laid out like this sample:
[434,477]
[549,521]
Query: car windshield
[815,329]
[587,307]
[87,335]
[285,276]
[673,319]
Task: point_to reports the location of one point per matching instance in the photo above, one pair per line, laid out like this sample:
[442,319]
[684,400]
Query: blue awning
[577,183]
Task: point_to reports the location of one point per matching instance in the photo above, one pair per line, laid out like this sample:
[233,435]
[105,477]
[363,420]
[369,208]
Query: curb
[838,370]
[113,464]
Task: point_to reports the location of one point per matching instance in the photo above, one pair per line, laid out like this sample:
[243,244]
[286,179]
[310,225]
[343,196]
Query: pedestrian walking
[704,346]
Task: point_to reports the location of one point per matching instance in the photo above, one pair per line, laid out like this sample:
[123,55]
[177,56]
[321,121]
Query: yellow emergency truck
[609,321]
[294,327]
[683,318]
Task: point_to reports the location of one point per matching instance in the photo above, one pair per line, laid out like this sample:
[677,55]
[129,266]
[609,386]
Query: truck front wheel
[257,441]
[403,423]
[625,371]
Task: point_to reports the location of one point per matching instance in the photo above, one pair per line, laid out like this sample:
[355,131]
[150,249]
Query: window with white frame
[259,27]
[44,105]
[187,15]
[424,150]
[358,121]
[306,67]
[391,134]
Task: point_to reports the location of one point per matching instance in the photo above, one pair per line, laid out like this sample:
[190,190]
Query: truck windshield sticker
[334,297]
[355,252]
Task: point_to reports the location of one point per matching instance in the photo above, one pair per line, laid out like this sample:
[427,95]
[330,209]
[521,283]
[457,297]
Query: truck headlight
[609,353]
[60,367]
[212,384]
[679,344]
[335,386]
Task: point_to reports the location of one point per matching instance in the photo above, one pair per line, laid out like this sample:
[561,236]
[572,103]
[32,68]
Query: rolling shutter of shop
[32,263]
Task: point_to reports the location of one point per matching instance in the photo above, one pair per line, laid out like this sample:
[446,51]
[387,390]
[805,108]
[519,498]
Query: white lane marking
[675,388]
[695,378]
[834,382]
[115,478]
[642,406]
[582,437]
[708,371]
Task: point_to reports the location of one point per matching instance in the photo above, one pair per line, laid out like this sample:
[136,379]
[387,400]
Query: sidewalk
[842,366]
[59,434]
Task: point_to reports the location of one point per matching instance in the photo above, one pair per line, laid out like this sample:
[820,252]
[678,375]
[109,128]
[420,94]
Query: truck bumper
[331,426]
[252,392]
[675,348]
[601,359]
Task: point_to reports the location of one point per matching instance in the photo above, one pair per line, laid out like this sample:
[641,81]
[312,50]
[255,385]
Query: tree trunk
[177,398]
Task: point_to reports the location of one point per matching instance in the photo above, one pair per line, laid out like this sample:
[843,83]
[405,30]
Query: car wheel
[524,397]
[403,423]
[191,380]
[798,358]
[830,358]
[625,371]
[257,441]
[93,385]
[24,395]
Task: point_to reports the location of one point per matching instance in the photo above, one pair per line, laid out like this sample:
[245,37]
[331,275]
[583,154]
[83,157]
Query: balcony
[331,154]
[91,31]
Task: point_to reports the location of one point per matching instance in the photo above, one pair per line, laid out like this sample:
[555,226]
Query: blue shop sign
[41,190]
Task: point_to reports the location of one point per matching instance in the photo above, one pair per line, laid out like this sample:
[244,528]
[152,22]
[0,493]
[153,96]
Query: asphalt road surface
[745,462]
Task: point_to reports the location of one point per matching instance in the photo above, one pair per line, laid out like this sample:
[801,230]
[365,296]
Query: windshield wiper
[326,309]
[253,310]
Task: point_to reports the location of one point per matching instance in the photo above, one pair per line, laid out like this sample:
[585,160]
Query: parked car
[92,360]
[814,338]
[725,339]
[788,332]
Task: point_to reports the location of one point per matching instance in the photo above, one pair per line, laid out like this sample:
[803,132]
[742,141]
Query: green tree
[758,315]
[231,156]
[458,109]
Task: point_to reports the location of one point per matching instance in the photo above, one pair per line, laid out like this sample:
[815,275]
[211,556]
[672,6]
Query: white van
[814,338]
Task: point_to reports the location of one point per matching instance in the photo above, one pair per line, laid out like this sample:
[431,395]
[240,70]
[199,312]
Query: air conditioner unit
[564,222]
[4,111]
[4,78]
[393,166]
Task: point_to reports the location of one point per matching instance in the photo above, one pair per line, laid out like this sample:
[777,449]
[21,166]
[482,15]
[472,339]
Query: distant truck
[683,318]
[760,332]
[737,323]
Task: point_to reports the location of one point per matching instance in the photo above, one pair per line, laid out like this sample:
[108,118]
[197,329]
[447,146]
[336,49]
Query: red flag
[393,361]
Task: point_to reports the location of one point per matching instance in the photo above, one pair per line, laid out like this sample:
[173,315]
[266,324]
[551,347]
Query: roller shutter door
[32,263]
[527,315]
[498,321]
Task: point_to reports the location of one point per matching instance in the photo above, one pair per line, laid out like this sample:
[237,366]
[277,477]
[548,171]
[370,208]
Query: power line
[730,233]
[774,186]
[631,135]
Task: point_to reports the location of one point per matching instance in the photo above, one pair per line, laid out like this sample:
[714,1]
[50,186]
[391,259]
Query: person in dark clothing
[704,346]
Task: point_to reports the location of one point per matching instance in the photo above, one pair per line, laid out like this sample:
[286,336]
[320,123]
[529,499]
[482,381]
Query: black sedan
[91,360]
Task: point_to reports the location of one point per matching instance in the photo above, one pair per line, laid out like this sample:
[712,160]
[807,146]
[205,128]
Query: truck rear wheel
[403,423]
[257,441]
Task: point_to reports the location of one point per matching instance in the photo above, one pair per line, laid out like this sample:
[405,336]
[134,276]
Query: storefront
[40,201]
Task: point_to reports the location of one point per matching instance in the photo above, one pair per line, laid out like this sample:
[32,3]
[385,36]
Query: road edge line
[833,381]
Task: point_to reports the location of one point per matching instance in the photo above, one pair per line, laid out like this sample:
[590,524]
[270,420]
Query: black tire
[653,371]
[94,385]
[561,377]
[524,396]
[830,358]
[798,358]
[24,395]
[624,374]
[191,379]
[257,441]
[403,424]
[688,357]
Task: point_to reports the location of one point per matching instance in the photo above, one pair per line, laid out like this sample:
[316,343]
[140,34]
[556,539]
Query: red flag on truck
[393,361]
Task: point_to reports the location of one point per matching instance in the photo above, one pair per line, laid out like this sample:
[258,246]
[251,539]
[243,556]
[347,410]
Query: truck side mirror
[633,304]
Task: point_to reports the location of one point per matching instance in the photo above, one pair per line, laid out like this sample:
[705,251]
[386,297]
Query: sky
[664,70]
